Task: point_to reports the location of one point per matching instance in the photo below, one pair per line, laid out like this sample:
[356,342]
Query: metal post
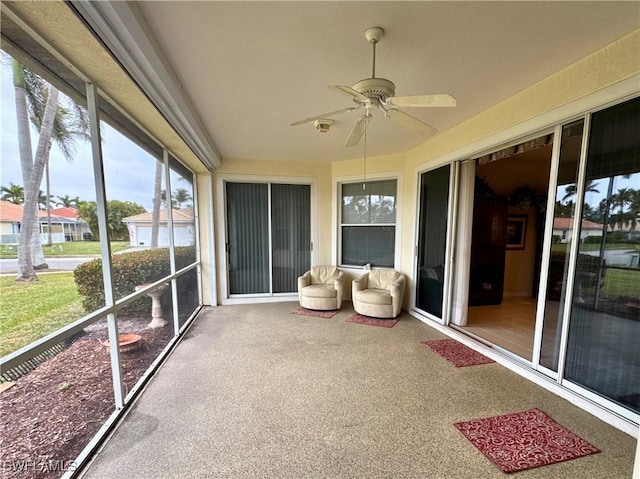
[105,247]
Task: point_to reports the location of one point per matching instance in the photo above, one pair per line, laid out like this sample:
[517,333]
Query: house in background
[10,218]
[140,227]
[563,229]
[65,224]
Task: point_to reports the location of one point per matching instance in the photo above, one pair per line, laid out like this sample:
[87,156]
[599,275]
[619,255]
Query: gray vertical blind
[248,237]
[291,235]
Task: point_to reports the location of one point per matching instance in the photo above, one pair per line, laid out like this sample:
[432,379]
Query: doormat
[383,323]
[457,353]
[316,314]
[524,440]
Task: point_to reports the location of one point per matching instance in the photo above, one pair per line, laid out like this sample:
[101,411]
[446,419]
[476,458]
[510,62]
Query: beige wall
[519,264]
[541,106]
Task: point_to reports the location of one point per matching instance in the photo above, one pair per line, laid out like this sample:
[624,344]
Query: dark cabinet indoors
[488,248]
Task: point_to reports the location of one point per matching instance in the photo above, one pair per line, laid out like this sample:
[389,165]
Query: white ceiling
[252,68]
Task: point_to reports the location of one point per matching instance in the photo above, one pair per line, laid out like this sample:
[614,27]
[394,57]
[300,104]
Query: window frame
[338,196]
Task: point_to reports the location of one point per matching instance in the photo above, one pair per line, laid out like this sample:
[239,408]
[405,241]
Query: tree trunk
[48,188]
[155,216]
[26,270]
[22,118]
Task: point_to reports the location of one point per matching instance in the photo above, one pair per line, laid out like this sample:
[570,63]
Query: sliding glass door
[603,348]
[268,237]
[590,332]
[432,240]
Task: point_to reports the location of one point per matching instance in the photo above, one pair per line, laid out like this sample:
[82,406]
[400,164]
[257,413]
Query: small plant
[63,385]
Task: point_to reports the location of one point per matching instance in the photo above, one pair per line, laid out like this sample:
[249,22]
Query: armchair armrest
[338,285]
[358,284]
[304,280]
[396,290]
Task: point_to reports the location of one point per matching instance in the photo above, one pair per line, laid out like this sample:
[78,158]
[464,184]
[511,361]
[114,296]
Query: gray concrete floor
[256,392]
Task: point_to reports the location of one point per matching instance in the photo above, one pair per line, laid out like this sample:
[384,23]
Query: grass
[619,282]
[596,246]
[71,248]
[30,311]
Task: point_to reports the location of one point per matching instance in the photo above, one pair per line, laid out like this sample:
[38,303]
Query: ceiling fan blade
[410,123]
[423,101]
[347,90]
[324,115]
[358,130]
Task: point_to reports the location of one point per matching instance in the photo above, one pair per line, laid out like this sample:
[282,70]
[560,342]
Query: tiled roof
[567,224]
[9,212]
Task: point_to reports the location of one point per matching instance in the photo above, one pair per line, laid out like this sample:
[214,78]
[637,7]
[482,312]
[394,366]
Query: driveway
[59,264]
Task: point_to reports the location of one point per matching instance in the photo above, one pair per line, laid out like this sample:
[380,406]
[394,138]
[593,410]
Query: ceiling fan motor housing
[378,88]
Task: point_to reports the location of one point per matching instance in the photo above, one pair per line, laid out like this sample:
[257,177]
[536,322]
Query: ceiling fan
[380,93]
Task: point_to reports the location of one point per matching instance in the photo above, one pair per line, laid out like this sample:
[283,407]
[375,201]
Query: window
[368,223]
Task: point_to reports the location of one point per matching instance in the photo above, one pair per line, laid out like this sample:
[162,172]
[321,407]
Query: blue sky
[129,170]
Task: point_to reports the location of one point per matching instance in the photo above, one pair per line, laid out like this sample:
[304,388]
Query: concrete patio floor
[254,391]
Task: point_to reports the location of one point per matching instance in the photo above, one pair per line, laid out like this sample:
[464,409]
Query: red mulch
[51,413]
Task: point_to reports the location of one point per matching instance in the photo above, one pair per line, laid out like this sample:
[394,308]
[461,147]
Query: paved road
[64,264]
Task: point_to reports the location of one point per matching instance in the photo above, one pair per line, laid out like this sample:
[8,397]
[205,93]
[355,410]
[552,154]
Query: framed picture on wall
[516,231]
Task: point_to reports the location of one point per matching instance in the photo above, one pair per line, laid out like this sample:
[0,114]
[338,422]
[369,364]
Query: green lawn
[31,311]
[596,246]
[71,248]
[619,282]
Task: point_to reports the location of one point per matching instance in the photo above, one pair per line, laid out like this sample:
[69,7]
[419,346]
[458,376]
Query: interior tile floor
[510,325]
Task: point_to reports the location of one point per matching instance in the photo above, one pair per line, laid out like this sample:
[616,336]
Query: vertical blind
[248,235]
[252,226]
[291,235]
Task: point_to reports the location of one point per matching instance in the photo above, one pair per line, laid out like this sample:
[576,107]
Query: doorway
[510,197]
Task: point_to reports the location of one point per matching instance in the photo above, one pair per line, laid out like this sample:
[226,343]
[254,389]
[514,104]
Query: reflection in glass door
[558,270]
[603,348]
[432,240]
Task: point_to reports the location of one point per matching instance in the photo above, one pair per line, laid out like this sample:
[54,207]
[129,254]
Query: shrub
[593,240]
[128,271]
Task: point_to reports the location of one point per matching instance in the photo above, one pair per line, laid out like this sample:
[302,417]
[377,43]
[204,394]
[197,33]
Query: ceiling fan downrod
[373,36]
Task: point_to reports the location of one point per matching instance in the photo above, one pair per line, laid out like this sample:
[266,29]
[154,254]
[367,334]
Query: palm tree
[37,102]
[163,198]
[180,196]
[67,202]
[12,193]
[589,187]
[155,212]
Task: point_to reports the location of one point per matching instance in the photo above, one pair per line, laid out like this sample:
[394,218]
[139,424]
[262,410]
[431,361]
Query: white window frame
[336,249]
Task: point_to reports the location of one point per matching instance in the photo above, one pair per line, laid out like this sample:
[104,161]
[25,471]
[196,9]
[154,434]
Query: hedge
[586,271]
[129,270]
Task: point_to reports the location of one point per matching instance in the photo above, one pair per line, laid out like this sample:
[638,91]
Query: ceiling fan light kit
[322,125]
[380,93]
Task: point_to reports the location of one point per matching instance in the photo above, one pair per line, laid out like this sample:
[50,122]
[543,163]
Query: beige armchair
[321,288]
[378,293]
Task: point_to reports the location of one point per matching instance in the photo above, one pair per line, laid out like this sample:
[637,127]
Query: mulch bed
[49,415]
